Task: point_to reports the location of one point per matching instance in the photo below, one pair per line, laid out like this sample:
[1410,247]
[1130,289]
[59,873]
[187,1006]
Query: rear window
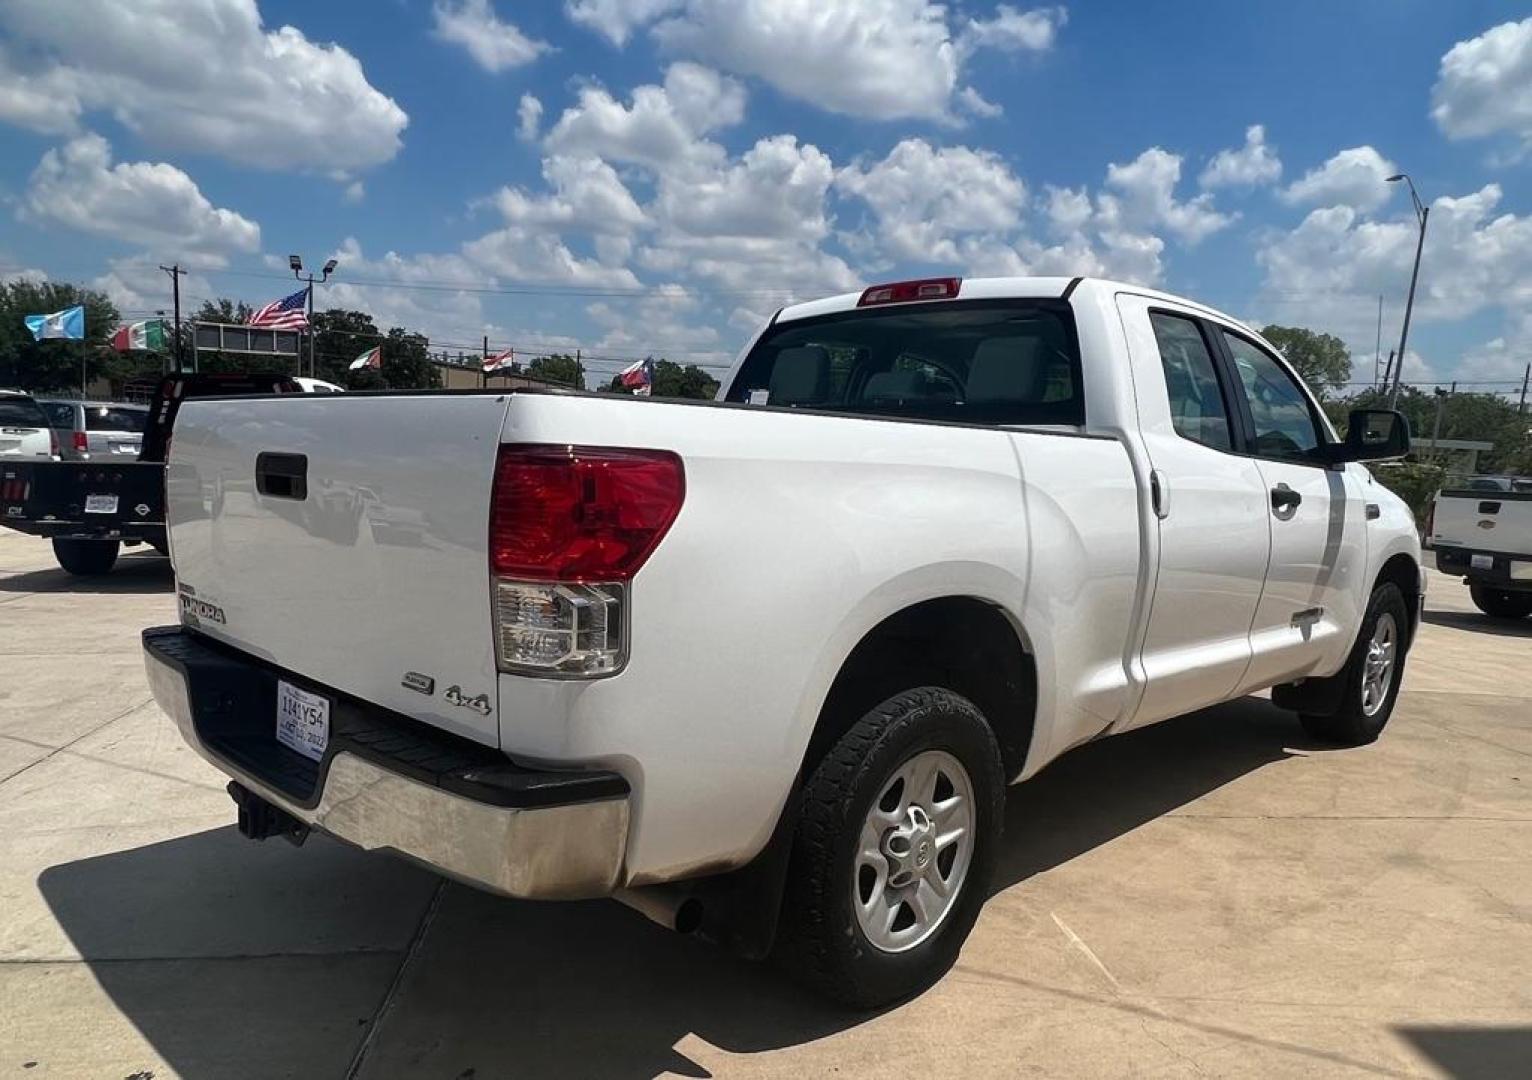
[984,362]
[20,411]
[60,414]
[114,418]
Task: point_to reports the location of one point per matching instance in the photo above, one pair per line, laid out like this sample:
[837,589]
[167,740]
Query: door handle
[1284,499]
[1159,494]
[282,476]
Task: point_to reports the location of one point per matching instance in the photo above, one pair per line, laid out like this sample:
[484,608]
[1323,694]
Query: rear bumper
[389,783]
[1505,571]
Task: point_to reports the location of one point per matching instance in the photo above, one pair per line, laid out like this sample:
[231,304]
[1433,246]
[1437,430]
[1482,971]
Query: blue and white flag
[68,324]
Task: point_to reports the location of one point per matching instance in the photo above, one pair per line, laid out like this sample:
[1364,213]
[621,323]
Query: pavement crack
[79,738]
[375,1023]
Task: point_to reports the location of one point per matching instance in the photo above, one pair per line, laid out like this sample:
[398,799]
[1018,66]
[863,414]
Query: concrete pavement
[1212,896]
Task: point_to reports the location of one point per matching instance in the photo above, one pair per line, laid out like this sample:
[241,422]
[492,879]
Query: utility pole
[1377,348]
[483,374]
[176,273]
[1441,399]
[579,372]
[1388,370]
[1422,213]
[1526,377]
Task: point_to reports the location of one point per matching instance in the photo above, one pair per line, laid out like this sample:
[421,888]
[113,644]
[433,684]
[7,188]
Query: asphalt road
[1212,896]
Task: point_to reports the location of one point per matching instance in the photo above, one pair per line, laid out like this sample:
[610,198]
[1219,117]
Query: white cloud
[354,192]
[529,117]
[617,19]
[1484,86]
[138,287]
[1354,178]
[882,59]
[494,44]
[1012,30]
[150,204]
[775,190]
[1251,165]
[205,77]
[664,323]
[587,196]
[662,126]
[1068,209]
[924,198]
[1143,197]
[518,253]
[11,270]
[974,102]
[1333,265]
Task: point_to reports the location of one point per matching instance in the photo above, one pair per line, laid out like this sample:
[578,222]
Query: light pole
[1422,212]
[296,263]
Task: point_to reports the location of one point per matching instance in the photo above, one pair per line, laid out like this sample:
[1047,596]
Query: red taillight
[902,292]
[81,443]
[571,513]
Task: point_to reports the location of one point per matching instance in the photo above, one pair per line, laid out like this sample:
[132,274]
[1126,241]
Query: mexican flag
[372,358]
[148,335]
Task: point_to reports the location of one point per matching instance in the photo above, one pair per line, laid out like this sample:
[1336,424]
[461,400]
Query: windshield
[114,418]
[20,411]
[984,362]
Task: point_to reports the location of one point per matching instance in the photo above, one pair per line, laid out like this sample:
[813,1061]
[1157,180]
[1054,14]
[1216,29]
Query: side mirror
[1372,435]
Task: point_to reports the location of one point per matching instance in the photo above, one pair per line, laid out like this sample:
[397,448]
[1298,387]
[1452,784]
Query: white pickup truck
[1482,532]
[763,666]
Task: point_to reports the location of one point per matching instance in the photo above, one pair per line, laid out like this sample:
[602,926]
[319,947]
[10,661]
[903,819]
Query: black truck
[90,509]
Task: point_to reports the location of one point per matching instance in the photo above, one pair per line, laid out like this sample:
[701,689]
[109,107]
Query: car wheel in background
[85,556]
[1501,603]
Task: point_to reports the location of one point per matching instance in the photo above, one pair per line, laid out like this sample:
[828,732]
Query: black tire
[1350,724]
[1501,603]
[86,557]
[820,940]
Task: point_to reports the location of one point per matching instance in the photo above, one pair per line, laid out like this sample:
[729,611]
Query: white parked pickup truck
[1482,532]
[763,666]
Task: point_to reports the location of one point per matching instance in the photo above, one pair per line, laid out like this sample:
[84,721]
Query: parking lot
[1216,895]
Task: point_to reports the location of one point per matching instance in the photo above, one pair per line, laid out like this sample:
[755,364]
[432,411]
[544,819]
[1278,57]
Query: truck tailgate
[1487,521]
[360,556]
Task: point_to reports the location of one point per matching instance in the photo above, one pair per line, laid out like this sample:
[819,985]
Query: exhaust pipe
[669,905]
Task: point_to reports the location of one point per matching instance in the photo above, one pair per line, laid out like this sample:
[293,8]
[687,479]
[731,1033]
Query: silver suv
[93,430]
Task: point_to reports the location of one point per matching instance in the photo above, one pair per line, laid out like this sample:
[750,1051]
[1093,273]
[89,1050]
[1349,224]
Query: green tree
[52,365]
[558,368]
[340,337]
[672,380]
[226,311]
[1322,359]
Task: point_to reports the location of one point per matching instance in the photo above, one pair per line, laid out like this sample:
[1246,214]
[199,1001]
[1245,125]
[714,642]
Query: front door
[1308,609]
[1210,506]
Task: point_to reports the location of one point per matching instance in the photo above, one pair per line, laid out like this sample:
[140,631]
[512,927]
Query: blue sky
[654,176]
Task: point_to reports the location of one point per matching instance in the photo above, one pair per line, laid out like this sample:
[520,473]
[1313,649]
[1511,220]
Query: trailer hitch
[259,819]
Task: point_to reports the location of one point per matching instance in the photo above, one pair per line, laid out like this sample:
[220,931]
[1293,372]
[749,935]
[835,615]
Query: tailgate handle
[282,476]
[1489,508]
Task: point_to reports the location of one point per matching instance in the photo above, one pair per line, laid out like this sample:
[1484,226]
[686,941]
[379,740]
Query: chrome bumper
[571,851]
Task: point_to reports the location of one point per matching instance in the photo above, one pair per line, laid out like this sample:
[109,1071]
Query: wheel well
[1404,572]
[961,643]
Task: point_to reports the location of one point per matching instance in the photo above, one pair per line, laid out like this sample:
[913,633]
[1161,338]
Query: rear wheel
[85,556]
[1370,679]
[1501,603]
[898,832]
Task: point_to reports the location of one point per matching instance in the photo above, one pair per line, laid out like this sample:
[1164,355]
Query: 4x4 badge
[480,704]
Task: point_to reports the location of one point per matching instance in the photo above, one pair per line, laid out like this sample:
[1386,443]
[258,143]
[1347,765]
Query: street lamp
[1422,212]
[296,263]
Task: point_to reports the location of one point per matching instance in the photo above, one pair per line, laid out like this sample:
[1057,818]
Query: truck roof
[1009,288]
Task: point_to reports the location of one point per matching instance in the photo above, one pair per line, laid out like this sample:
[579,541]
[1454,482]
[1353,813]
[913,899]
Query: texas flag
[68,324]
[499,360]
[638,377]
[372,358]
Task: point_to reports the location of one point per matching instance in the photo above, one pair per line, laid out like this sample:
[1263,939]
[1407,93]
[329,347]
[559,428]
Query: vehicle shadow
[1474,1053]
[496,988]
[1479,623]
[134,574]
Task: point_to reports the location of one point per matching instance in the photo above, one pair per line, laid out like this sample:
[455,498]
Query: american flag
[284,314]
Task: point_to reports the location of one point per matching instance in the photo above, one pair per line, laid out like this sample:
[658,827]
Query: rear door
[345,538]
[1214,539]
[24,429]
[1309,608]
[115,431]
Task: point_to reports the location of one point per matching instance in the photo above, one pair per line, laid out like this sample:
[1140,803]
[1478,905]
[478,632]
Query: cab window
[1284,421]
[1197,406]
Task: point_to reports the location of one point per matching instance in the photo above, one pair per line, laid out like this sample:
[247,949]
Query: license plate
[124,448]
[100,504]
[303,720]
[1481,562]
